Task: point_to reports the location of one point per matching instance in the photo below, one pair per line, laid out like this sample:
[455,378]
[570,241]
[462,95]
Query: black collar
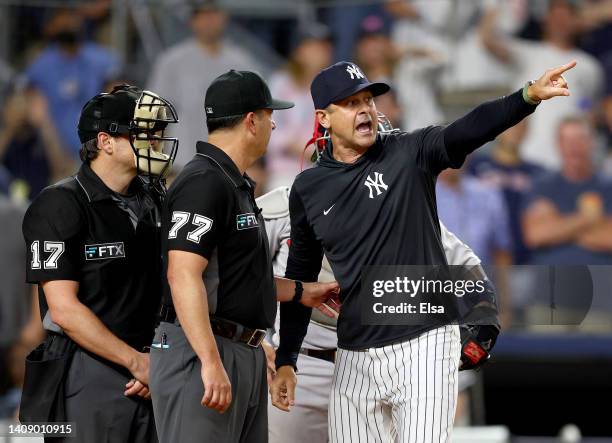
[94,187]
[223,161]
[372,152]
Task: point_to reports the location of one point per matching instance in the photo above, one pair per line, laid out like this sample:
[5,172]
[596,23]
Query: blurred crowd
[541,193]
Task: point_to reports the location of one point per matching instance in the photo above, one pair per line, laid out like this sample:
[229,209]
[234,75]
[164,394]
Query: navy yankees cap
[238,92]
[340,81]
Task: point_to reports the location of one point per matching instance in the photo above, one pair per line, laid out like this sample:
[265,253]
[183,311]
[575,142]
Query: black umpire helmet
[140,115]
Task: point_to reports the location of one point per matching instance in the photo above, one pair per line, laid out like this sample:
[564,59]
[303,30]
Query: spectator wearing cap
[568,214]
[184,71]
[68,72]
[208,371]
[311,52]
[374,51]
[344,22]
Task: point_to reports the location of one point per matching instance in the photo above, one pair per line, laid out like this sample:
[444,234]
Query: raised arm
[60,162]
[490,119]
[491,40]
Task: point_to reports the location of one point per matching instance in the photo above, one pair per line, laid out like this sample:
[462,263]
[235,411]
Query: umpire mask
[154,151]
[142,116]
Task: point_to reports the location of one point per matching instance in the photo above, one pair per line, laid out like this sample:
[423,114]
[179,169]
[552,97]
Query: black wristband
[299,290]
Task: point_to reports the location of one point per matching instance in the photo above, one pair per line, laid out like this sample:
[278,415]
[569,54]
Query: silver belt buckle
[256,338]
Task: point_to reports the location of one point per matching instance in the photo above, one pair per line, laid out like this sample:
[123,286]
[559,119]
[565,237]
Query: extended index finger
[561,69]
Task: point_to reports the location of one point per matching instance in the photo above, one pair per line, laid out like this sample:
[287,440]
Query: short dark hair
[204,6]
[89,150]
[574,120]
[571,4]
[230,122]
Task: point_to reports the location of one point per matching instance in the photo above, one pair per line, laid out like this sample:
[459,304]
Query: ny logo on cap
[209,110]
[355,72]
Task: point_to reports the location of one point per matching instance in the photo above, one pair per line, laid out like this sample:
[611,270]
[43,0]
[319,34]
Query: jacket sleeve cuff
[286,360]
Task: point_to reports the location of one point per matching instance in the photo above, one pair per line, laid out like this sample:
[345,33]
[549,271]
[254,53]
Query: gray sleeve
[279,232]
[162,80]
[457,252]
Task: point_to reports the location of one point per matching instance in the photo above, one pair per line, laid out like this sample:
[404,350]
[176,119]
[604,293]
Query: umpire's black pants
[96,404]
[177,389]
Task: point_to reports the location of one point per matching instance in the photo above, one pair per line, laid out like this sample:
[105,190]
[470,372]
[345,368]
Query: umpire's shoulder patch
[246,221]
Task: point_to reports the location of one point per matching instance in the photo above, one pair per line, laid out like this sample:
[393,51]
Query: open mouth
[364,128]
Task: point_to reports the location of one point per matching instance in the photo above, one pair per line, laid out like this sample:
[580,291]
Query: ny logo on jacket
[377,184]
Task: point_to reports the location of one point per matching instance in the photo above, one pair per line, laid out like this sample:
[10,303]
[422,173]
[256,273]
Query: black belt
[167,314]
[324,354]
[224,328]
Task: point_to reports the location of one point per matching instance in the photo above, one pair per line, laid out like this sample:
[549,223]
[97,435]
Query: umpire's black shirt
[379,210]
[210,210]
[80,230]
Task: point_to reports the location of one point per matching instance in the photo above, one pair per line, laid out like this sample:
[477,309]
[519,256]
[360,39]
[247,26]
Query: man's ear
[250,122]
[323,118]
[106,143]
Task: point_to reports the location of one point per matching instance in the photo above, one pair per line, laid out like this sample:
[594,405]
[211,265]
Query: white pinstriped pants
[404,392]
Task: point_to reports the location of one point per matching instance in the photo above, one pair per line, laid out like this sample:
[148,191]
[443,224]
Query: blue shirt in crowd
[565,195]
[25,159]
[514,182]
[68,82]
[477,215]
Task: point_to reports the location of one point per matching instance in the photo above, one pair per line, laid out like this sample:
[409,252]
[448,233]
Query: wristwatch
[299,290]
[526,96]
